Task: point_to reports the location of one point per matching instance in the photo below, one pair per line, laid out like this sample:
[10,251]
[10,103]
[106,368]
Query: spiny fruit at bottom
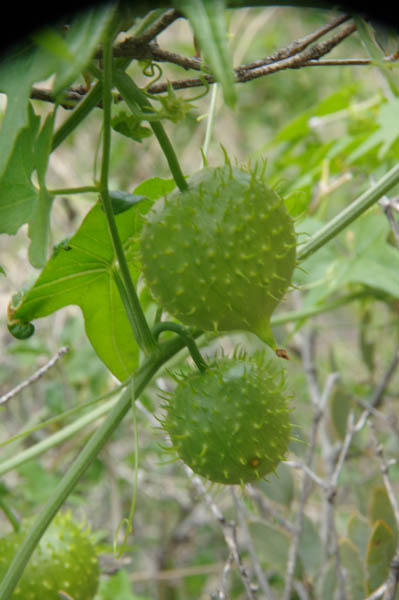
[231,422]
[65,560]
[220,255]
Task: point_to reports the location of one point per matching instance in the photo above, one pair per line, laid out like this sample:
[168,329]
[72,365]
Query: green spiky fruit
[220,255]
[231,422]
[65,560]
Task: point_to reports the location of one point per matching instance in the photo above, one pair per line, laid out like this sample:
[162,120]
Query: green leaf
[39,482]
[271,546]
[18,195]
[381,509]
[310,547]
[208,22]
[118,586]
[299,127]
[380,551]
[18,73]
[372,261]
[386,134]
[20,201]
[340,406]
[81,273]
[155,187]
[39,229]
[359,533]
[351,561]
[130,126]
[365,257]
[328,581]
[39,222]
[122,201]
[74,50]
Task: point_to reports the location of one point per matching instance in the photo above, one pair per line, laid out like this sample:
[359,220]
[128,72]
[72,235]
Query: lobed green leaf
[81,273]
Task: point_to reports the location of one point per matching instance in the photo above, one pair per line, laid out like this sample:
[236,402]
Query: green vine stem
[141,330]
[142,376]
[311,311]
[350,213]
[85,106]
[185,336]
[83,189]
[133,97]
[56,438]
[10,514]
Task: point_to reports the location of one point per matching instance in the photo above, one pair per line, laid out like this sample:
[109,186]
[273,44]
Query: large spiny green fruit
[220,255]
[231,423]
[65,560]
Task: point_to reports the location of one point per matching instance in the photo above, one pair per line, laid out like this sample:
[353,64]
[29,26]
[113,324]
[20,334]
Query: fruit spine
[231,422]
[220,255]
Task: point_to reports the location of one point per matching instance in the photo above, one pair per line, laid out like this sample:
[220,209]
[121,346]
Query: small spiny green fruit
[231,423]
[65,560]
[220,255]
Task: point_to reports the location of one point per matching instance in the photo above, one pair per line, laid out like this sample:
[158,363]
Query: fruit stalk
[187,339]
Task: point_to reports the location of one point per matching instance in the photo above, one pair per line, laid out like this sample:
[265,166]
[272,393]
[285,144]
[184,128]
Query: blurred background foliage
[326,134]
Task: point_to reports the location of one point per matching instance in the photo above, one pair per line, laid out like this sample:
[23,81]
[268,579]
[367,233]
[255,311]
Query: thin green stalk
[56,438]
[141,331]
[142,376]
[60,416]
[10,514]
[305,313]
[85,106]
[350,213]
[134,97]
[129,308]
[210,123]
[84,189]
[186,337]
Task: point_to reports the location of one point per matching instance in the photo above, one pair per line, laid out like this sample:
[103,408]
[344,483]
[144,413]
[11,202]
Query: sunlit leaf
[18,195]
[386,134]
[39,222]
[18,72]
[80,273]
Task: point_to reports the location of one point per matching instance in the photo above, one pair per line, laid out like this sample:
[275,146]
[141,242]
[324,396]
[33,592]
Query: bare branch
[263,583]
[301,465]
[229,531]
[318,402]
[267,508]
[296,46]
[33,378]
[297,54]
[392,583]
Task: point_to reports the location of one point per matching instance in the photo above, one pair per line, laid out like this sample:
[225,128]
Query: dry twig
[33,378]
